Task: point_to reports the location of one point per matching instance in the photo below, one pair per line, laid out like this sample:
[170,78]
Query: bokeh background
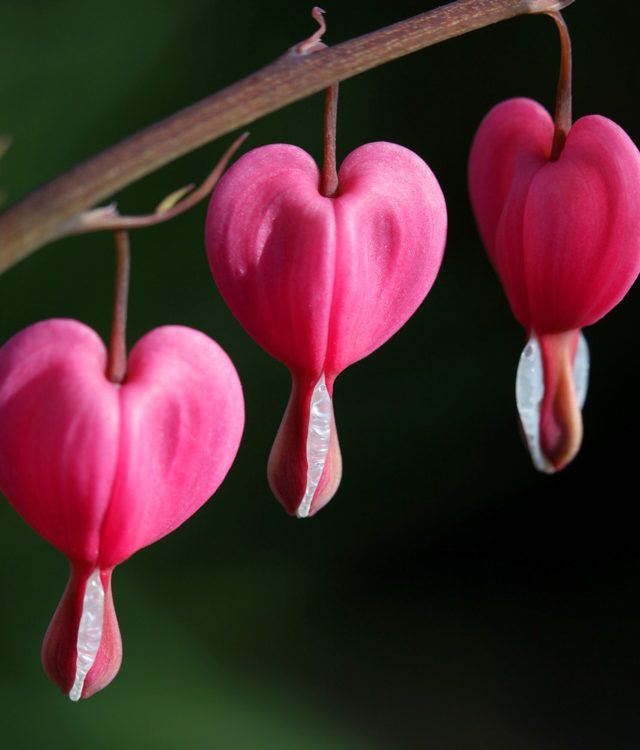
[449,596]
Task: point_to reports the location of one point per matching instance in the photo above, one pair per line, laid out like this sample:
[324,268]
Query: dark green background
[448,597]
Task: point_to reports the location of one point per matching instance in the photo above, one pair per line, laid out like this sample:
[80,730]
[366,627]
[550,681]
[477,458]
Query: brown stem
[329,177]
[117,364]
[329,185]
[45,214]
[563,119]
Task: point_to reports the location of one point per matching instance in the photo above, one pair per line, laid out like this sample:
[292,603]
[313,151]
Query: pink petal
[563,235]
[391,225]
[59,427]
[100,470]
[510,130]
[581,228]
[271,246]
[182,416]
[512,144]
[320,282]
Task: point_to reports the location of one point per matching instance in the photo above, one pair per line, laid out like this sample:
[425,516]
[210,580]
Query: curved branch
[47,213]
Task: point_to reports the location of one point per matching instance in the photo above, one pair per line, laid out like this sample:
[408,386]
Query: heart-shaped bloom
[101,470]
[564,237]
[321,282]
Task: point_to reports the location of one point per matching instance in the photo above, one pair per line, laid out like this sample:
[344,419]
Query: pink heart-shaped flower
[322,282]
[101,470]
[564,237]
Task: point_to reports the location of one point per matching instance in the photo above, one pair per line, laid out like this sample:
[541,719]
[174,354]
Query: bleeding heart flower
[321,282]
[564,237]
[101,470]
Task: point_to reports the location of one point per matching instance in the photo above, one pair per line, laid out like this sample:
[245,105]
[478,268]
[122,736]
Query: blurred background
[449,597]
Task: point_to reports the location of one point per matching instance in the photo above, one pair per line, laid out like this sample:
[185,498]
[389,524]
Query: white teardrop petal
[89,632]
[581,370]
[318,437]
[529,393]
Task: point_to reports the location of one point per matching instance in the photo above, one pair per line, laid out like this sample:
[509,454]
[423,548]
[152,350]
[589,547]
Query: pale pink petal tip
[551,388]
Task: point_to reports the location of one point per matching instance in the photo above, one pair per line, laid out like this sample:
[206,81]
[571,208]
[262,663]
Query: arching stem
[563,118]
[117,364]
[50,211]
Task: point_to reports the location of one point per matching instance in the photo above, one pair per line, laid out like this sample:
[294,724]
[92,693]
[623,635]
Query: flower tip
[292,482]
[329,485]
[82,648]
[551,388]
[561,432]
[305,464]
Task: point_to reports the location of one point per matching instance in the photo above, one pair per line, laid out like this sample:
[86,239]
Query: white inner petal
[530,391]
[318,436]
[89,632]
[581,370]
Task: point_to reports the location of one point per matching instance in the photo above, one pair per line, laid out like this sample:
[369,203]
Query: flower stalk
[563,114]
[329,186]
[117,362]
